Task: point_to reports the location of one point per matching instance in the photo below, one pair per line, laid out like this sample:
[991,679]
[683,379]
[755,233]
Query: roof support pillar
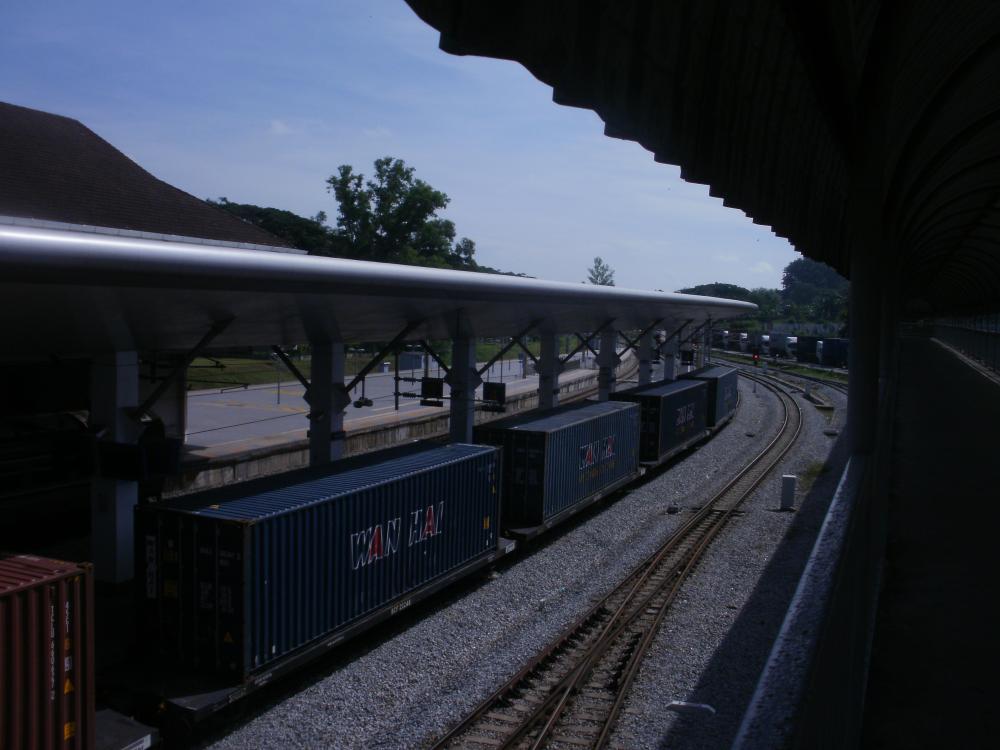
[607,360]
[668,355]
[463,381]
[646,357]
[114,394]
[328,398]
[704,345]
[549,367]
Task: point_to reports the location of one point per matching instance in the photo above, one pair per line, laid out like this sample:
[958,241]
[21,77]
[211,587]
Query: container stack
[46,653]
[723,393]
[671,416]
[559,459]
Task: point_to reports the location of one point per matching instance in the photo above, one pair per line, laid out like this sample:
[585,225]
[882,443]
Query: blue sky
[260,102]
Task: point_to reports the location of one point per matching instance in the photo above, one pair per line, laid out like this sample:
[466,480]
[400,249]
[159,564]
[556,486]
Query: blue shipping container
[723,392]
[671,415]
[231,580]
[563,457]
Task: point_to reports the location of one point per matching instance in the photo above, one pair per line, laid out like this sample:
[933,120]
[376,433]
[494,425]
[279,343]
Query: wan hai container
[236,580]
[723,393]
[46,653]
[671,416]
[557,461]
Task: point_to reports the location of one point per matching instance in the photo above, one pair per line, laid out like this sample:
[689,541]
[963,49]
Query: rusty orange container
[46,653]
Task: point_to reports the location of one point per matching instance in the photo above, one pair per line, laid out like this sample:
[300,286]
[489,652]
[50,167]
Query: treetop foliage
[390,218]
[718,289]
[810,292]
[601,273]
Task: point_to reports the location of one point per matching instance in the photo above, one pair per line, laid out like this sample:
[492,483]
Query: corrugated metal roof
[869,128]
[660,389]
[559,417]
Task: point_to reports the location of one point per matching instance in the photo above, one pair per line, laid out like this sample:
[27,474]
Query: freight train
[245,583]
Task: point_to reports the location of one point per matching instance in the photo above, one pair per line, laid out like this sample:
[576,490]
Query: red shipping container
[46,653]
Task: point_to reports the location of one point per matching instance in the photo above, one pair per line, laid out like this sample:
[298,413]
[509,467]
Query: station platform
[932,673]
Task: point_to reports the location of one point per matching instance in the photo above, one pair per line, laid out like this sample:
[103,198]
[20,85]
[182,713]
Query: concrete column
[463,381]
[646,357]
[607,361]
[862,389]
[114,389]
[327,402]
[668,355]
[549,367]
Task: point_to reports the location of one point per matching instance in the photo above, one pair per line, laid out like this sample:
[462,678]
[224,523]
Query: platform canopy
[75,293]
[861,131]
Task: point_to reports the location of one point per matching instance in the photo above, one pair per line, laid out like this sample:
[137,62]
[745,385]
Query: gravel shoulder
[405,687]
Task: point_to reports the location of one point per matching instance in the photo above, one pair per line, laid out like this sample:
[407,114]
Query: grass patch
[810,475]
[223,372]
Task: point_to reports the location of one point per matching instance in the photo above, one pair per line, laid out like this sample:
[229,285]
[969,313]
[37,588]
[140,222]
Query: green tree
[718,289]
[768,303]
[393,218]
[310,234]
[464,250]
[601,273]
[804,281]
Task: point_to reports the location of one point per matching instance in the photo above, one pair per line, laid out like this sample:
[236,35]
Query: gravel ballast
[411,685]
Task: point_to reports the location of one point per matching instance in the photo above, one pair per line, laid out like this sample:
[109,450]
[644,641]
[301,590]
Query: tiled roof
[54,168]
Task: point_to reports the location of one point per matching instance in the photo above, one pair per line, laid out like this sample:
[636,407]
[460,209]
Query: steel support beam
[435,356]
[328,398]
[280,353]
[390,347]
[607,360]
[114,395]
[463,381]
[142,409]
[515,341]
[585,341]
[549,367]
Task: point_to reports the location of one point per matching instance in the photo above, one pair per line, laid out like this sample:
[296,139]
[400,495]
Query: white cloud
[280,127]
[762,266]
[726,258]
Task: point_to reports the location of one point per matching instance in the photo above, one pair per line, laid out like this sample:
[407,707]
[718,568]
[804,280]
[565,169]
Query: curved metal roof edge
[45,256]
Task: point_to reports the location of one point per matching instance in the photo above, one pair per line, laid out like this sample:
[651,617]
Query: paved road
[216,418]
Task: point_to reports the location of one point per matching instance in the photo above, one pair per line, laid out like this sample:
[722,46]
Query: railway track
[571,694]
[781,375]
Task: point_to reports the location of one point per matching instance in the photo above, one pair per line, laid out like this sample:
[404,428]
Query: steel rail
[652,585]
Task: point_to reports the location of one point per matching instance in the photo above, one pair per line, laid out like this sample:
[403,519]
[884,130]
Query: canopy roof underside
[840,124]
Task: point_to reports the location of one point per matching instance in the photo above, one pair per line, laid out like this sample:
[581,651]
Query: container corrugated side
[233,581]
[670,415]
[564,456]
[46,653]
[806,349]
[835,352]
[723,394]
